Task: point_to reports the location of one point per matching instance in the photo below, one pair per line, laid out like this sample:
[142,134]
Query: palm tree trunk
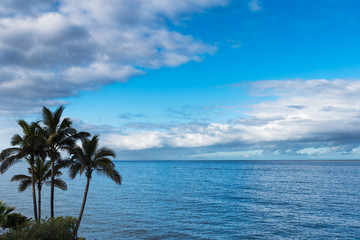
[52,187]
[33,187]
[39,201]
[83,205]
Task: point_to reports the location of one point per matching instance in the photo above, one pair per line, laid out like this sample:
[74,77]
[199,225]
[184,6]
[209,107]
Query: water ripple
[212,200]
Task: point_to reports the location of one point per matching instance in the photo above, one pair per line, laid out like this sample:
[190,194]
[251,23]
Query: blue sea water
[211,200]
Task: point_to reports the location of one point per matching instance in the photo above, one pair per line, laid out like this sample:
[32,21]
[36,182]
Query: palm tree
[29,145]
[89,158]
[42,175]
[59,135]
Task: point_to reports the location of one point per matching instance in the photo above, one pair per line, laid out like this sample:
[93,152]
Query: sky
[190,79]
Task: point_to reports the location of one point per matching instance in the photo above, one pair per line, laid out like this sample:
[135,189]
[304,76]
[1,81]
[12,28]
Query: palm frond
[74,170]
[16,140]
[48,121]
[116,177]
[65,124]
[25,127]
[7,163]
[60,184]
[57,114]
[65,163]
[67,143]
[5,209]
[8,152]
[112,174]
[82,135]
[24,184]
[105,152]
[104,163]
[20,177]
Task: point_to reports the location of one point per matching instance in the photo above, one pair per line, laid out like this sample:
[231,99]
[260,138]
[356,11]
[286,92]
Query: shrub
[60,228]
[14,221]
[9,219]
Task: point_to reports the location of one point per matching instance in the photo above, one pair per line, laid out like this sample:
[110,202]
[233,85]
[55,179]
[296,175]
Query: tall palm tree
[27,146]
[42,175]
[89,158]
[59,135]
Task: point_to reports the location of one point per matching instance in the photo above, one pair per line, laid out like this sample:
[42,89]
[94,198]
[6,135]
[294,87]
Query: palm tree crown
[30,144]
[90,158]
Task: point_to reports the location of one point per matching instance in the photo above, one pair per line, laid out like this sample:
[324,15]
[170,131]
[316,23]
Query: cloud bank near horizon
[54,49]
[304,118]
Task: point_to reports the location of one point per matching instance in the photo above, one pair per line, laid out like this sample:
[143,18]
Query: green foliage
[89,157]
[9,219]
[5,210]
[59,228]
[14,221]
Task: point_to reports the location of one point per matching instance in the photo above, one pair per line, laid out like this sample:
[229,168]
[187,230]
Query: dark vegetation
[59,228]
[42,144]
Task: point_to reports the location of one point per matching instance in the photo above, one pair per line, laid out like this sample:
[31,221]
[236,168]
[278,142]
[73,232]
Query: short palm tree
[59,135]
[27,146]
[42,175]
[89,158]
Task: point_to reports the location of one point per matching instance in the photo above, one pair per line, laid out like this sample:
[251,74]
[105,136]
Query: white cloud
[136,141]
[316,107]
[98,74]
[67,46]
[198,136]
[314,151]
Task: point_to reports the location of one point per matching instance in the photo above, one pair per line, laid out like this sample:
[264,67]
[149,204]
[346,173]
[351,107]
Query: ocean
[210,200]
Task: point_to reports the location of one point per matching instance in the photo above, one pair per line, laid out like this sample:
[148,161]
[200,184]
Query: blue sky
[192,79]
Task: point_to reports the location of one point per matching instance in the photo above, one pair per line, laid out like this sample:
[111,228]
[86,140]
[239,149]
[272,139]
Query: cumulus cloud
[321,110]
[305,118]
[54,49]
[135,141]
